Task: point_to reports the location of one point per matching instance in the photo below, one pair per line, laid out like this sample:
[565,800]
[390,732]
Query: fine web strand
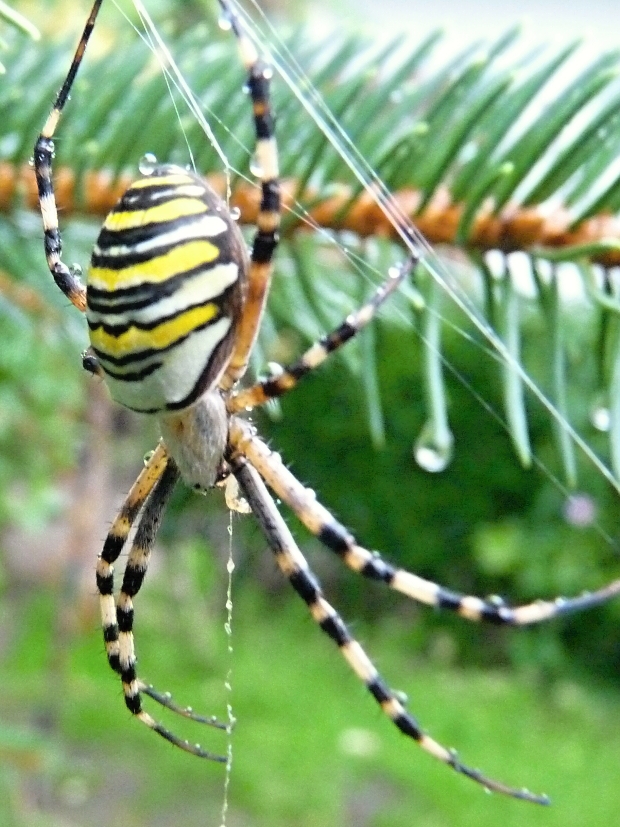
[310,99]
[152,40]
[170,68]
[230,567]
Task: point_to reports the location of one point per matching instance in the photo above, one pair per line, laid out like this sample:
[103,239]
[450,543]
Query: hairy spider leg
[295,567]
[113,546]
[68,281]
[135,571]
[268,219]
[320,522]
[276,386]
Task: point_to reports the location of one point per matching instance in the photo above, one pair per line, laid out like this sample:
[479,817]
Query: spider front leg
[65,278]
[276,386]
[294,566]
[154,486]
[268,218]
[370,564]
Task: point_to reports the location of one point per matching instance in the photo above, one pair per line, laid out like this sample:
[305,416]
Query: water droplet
[600,416]
[230,566]
[148,457]
[147,164]
[225,21]
[275,369]
[256,168]
[245,89]
[76,270]
[235,213]
[394,272]
[267,73]
[189,710]
[401,696]
[433,454]
[31,161]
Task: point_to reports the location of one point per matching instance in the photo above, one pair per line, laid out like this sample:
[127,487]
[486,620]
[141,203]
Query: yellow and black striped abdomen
[165,289]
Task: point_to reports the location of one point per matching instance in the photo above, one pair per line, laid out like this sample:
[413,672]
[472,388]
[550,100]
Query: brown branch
[513,228]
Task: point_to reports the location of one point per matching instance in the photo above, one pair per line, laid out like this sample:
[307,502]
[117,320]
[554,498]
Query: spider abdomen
[165,288]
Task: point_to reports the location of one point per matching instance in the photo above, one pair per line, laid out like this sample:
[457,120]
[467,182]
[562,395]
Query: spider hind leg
[294,566]
[320,522]
[150,492]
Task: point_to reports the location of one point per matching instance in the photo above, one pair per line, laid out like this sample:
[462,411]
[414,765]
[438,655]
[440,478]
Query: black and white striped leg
[293,564]
[268,219]
[114,544]
[135,571]
[285,381]
[336,537]
[67,280]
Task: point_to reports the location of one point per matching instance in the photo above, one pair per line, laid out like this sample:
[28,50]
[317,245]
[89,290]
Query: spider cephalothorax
[173,305]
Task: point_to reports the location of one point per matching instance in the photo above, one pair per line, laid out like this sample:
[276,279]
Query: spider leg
[293,564]
[66,280]
[268,219]
[370,564]
[278,385]
[114,543]
[113,635]
[135,570]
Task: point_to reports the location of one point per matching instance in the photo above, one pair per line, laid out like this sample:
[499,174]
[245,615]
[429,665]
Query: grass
[310,747]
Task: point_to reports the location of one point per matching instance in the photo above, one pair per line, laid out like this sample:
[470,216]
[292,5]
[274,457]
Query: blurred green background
[537,707]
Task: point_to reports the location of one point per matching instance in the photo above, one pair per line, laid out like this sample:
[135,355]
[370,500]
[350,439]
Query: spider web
[271,45]
[290,72]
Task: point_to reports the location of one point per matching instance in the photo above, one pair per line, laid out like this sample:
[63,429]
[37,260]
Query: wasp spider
[173,305]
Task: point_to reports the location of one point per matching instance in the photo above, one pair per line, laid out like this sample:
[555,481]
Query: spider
[173,305]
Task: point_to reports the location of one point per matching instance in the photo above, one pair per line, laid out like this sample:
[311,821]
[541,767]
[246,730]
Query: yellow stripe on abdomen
[175,179]
[158,269]
[133,340]
[167,211]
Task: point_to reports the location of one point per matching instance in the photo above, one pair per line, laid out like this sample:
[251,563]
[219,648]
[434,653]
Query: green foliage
[483,526]
[473,131]
[309,747]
